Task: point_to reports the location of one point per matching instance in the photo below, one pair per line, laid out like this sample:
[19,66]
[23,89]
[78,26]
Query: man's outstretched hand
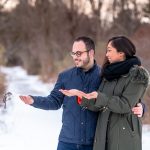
[27,99]
[75,92]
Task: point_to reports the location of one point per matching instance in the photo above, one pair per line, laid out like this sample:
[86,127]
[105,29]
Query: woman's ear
[122,55]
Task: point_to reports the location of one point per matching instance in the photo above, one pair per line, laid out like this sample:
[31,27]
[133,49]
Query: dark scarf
[116,70]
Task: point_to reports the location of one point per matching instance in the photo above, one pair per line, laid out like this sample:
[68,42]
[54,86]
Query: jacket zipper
[118,138]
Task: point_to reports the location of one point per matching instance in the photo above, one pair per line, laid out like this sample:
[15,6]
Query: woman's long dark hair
[122,44]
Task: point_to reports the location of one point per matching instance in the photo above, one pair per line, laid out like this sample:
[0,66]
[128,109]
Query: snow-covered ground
[23,127]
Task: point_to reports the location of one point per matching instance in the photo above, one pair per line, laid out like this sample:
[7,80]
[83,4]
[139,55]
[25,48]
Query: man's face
[80,55]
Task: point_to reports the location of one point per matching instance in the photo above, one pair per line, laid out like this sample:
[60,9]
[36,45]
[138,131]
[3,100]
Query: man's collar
[79,70]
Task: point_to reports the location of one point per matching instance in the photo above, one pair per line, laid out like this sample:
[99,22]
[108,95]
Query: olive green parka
[117,127]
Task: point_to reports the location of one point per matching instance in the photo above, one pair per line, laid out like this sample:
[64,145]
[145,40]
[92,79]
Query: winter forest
[36,37]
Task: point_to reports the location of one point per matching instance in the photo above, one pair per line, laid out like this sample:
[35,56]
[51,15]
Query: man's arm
[51,102]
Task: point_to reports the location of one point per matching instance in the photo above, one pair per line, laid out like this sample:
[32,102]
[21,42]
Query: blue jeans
[72,146]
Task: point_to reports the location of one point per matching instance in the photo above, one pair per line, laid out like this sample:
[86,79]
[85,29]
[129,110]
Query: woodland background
[38,34]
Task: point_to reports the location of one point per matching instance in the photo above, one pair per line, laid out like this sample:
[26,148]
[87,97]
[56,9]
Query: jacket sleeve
[132,93]
[54,100]
[118,104]
[124,103]
[90,104]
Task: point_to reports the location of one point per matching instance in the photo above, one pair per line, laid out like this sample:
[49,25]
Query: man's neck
[89,66]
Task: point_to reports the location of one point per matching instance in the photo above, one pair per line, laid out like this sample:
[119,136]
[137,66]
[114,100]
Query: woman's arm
[87,100]
[124,103]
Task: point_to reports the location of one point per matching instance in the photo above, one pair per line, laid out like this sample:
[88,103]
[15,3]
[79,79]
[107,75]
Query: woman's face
[113,55]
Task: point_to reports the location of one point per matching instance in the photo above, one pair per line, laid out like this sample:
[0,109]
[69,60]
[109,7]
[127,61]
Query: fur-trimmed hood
[139,74]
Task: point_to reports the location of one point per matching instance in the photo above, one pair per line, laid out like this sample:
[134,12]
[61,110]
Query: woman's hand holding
[92,95]
[75,92]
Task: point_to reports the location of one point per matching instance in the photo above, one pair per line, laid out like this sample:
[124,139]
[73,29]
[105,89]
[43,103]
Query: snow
[23,127]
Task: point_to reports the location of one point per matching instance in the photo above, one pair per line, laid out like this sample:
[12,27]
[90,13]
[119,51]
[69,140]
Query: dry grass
[2,85]
[146,118]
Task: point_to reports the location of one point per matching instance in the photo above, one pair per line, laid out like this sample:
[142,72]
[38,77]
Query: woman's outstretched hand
[75,92]
[92,95]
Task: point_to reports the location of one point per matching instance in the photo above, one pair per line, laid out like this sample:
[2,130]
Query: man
[78,124]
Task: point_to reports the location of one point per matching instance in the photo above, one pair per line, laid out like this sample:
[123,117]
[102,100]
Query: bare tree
[146,10]
[96,10]
[125,19]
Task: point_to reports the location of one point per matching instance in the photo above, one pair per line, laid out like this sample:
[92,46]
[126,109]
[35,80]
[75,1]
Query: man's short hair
[89,43]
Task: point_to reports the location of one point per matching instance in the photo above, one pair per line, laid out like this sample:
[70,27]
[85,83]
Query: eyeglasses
[77,53]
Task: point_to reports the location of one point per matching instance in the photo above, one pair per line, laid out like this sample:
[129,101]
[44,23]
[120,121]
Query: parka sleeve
[117,104]
[132,93]
[89,104]
[124,103]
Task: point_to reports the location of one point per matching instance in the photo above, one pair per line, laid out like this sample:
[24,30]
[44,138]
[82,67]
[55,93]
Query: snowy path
[28,128]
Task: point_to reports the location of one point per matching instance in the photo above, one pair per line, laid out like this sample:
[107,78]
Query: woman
[123,85]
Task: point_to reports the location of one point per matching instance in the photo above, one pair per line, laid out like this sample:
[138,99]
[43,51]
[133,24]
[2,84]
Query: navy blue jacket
[78,124]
